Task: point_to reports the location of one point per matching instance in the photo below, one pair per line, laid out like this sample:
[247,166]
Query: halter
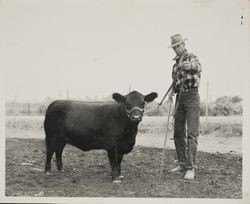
[128,112]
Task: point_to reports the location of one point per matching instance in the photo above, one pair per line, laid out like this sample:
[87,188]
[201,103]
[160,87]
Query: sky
[94,48]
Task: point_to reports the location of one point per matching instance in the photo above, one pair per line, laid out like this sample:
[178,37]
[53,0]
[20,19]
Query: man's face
[179,49]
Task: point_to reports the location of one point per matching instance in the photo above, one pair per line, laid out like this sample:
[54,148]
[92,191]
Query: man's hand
[170,96]
[186,65]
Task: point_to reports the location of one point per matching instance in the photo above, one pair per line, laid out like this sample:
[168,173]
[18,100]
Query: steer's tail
[54,123]
[54,129]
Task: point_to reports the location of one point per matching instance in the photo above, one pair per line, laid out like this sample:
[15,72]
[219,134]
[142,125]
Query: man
[186,78]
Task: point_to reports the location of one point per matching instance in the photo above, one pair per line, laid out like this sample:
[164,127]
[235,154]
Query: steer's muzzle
[135,114]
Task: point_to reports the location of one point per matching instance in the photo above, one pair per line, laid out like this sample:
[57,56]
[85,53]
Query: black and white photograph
[125,100]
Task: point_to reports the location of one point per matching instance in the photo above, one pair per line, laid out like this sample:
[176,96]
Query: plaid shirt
[192,76]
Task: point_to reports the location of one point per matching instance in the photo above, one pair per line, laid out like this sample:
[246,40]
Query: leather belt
[189,89]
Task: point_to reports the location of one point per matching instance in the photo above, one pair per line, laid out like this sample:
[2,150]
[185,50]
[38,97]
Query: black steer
[95,125]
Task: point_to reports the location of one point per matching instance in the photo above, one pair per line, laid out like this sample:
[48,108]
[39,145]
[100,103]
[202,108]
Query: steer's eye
[128,106]
[143,105]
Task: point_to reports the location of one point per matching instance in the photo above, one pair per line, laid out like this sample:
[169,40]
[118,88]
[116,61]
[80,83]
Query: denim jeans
[186,128]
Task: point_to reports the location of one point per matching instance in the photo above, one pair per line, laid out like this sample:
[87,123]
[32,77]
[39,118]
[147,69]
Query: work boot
[177,169]
[189,174]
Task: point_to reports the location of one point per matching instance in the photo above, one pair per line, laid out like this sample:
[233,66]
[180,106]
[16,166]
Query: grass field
[221,126]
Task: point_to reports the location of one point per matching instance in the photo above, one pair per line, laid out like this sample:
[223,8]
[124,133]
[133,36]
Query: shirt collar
[178,57]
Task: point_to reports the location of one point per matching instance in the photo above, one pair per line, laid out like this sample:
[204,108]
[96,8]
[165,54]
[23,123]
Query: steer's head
[134,103]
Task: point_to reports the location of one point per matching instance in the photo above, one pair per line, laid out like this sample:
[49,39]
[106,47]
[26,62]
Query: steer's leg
[59,152]
[50,149]
[113,159]
[48,162]
[120,156]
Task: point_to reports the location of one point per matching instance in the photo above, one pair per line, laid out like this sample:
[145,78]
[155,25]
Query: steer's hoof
[117,181]
[48,173]
[121,177]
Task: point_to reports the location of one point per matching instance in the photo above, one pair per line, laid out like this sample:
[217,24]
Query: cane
[162,161]
[169,89]
[176,106]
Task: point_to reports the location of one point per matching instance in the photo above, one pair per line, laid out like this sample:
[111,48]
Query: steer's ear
[150,97]
[118,97]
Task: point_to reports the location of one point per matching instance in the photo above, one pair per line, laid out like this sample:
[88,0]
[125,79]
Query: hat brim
[178,43]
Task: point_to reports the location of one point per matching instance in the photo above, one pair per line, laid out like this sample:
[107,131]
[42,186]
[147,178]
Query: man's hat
[176,40]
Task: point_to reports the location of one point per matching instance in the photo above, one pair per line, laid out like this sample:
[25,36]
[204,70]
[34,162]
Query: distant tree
[236,99]
[227,105]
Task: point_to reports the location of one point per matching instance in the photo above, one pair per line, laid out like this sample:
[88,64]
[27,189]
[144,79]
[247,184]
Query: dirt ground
[87,174]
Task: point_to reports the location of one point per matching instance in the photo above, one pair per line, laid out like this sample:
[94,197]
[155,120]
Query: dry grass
[25,122]
[156,124]
[219,126]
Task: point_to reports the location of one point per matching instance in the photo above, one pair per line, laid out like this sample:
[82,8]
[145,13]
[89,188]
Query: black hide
[95,125]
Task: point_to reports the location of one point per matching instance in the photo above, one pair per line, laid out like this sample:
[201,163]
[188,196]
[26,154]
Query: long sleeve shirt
[192,78]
